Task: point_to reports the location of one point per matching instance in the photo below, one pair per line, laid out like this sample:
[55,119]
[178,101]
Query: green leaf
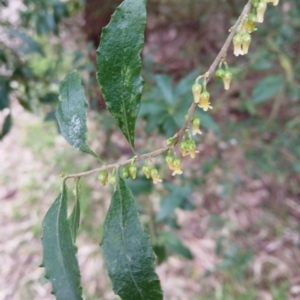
[59,252]
[175,245]
[74,218]
[119,64]
[164,84]
[127,252]
[71,112]
[6,126]
[267,88]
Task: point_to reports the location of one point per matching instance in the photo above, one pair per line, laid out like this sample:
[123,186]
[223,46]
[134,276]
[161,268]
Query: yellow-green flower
[155,176]
[184,148]
[204,101]
[169,161]
[103,177]
[191,148]
[196,89]
[260,10]
[251,22]
[196,126]
[125,172]
[227,79]
[246,40]
[132,170]
[147,171]
[237,45]
[176,165]
[220,73]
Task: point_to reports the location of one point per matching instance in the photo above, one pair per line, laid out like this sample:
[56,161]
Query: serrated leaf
[127,252]
[71,112]
[59,252]
[119,64]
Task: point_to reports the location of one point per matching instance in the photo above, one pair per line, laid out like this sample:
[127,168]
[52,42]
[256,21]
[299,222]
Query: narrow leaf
[74,218]
[59,252]
[71,112]
[119,64]
[128,255]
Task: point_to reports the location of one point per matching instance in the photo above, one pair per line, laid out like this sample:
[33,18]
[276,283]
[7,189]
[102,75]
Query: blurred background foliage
[228,228]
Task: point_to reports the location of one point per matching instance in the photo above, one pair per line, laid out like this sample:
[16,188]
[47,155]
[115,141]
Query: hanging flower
[147,171]
[103,177]
[220,73]
[112,179]
[237,44]
[125,172]
[176,165]
[196,126]
[132,170]
[155,176]
[251,22]
[261,9]
[227,79]
[191,148]
[169,161]
[204,101]
[196,89]
[184,148]
[246,40]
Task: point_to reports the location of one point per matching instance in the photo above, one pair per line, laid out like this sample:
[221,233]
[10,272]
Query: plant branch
[179,135]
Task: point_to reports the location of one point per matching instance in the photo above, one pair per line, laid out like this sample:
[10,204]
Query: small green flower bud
[196,126]
[103,177]
[170,141]
[155,176]
[220,73]
[196,89]
[132,170]
[147,171]
[112,179]
[125,172]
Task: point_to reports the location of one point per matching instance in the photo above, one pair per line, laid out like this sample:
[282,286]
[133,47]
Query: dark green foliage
[127,251]
[71,112]
[119,64]
[59,251]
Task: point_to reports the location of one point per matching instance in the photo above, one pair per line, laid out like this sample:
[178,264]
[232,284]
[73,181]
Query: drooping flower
[184,148]
[112,179]
[246,40]
[196,89]
[176,165]
[132,170]
[192,148]
[169,161]
[196,126]
[220,73]
[147,171]
[251,22]
[261,9]
[237,45]
[155,176]
[125,172]
[204,101]
[103,177]
[227,79]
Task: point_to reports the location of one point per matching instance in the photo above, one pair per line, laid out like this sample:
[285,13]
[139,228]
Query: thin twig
[179,135]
